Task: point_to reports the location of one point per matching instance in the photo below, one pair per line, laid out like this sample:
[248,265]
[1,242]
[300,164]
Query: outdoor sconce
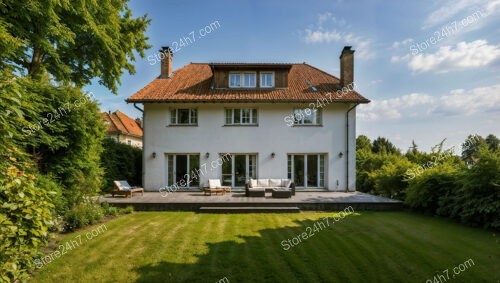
[207,155]
[341,154]
[273,155]
[154,154]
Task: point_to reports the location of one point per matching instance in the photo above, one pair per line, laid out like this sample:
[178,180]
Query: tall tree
[363,143]
[72,40]
[493,142]
[470,147]
[382,145]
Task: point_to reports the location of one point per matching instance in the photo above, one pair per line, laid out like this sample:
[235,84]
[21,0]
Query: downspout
[347,147]
[138,108]
[143,173]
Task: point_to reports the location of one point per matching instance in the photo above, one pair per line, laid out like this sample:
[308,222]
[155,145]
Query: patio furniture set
[279,188]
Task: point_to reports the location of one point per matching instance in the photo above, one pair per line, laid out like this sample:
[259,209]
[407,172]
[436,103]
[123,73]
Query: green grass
[190,247]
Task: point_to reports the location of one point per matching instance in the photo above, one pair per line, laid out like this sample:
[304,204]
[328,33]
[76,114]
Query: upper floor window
[241,116]
[242,80]
[307,116]
[187,116]
[267,79]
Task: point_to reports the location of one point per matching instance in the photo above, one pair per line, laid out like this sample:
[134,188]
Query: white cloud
[452,8]
[416,105]
[390,109]
[319,34]
[463,56]
[402,43]
[463,102]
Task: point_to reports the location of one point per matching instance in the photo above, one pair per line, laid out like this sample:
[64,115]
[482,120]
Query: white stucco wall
[271,135]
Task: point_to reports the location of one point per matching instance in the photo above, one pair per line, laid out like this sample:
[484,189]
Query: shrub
[83,214]
[429,190]
[477,202]
[26,216]
[390,179]
[121,162]
[127,210]
[110,210]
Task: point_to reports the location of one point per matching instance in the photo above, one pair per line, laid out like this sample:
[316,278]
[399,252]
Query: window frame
[253,116]
[273,79]
[242,79]
[192,117]
[316,112]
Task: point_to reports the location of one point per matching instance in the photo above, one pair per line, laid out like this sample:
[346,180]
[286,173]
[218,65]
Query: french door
[182,170]
[307,170]
[237,169]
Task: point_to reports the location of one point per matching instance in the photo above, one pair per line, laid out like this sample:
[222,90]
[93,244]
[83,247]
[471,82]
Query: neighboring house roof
[192,83]
[122,124]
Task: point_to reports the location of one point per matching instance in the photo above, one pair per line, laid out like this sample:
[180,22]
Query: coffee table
[282,193]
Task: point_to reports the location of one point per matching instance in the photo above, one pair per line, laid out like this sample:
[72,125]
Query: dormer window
[242,80]
[266,79]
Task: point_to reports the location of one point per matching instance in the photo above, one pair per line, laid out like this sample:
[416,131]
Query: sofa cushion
[253,183]
[286,183]
[257,189]
[263,182]
[274,182]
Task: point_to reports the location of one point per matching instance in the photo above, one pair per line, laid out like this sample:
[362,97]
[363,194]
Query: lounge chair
[123,188]
[214,186]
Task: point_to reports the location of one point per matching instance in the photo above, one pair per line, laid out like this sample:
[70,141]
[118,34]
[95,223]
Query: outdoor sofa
[279,187]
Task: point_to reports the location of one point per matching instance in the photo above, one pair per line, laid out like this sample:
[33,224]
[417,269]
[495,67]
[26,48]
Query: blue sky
[431,68]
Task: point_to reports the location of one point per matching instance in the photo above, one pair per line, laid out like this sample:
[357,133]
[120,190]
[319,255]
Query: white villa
[237,121]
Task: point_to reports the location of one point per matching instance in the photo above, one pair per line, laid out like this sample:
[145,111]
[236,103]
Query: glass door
[238,169]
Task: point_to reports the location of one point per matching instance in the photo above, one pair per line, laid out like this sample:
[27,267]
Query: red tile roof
[192,83]
[122,124]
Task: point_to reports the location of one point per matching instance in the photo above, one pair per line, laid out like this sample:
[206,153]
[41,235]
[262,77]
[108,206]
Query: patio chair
[123,188]
[214,186]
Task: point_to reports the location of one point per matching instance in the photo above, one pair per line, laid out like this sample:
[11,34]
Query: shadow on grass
[262,258]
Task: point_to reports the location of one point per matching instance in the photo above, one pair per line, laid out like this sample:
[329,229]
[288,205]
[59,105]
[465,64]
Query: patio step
[249,209]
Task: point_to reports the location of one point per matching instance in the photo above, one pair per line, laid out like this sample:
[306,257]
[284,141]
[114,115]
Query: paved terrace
[192,201]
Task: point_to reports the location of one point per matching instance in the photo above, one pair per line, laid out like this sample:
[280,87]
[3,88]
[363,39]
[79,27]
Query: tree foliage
[383,146]
[121,162]
[438,182]
[73,40]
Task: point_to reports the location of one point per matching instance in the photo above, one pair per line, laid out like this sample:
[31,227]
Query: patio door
[182,170]
[307,170]
[237,169]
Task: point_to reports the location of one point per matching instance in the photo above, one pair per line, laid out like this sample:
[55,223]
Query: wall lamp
[207,155]
[273,155]
[341,154]
[154,154]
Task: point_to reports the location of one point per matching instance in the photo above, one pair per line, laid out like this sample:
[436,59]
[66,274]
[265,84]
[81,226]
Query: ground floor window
[182,170]
[307,170]
[237,169]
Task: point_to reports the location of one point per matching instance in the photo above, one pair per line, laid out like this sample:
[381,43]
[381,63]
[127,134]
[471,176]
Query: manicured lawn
[190,247]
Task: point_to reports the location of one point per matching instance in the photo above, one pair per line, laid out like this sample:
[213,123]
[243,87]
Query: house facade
[122,128]
[236,121]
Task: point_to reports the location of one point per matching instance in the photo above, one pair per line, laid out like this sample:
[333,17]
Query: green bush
[390,180]
[127,210]
[477,201]
[82,215]
[121,162]
[26,216]
[429,190]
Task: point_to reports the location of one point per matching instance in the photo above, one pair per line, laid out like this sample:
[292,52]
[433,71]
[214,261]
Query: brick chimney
[139,122]
[347,66]
[166,56]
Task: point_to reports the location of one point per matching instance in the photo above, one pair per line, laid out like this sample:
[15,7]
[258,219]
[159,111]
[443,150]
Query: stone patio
[193,201]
